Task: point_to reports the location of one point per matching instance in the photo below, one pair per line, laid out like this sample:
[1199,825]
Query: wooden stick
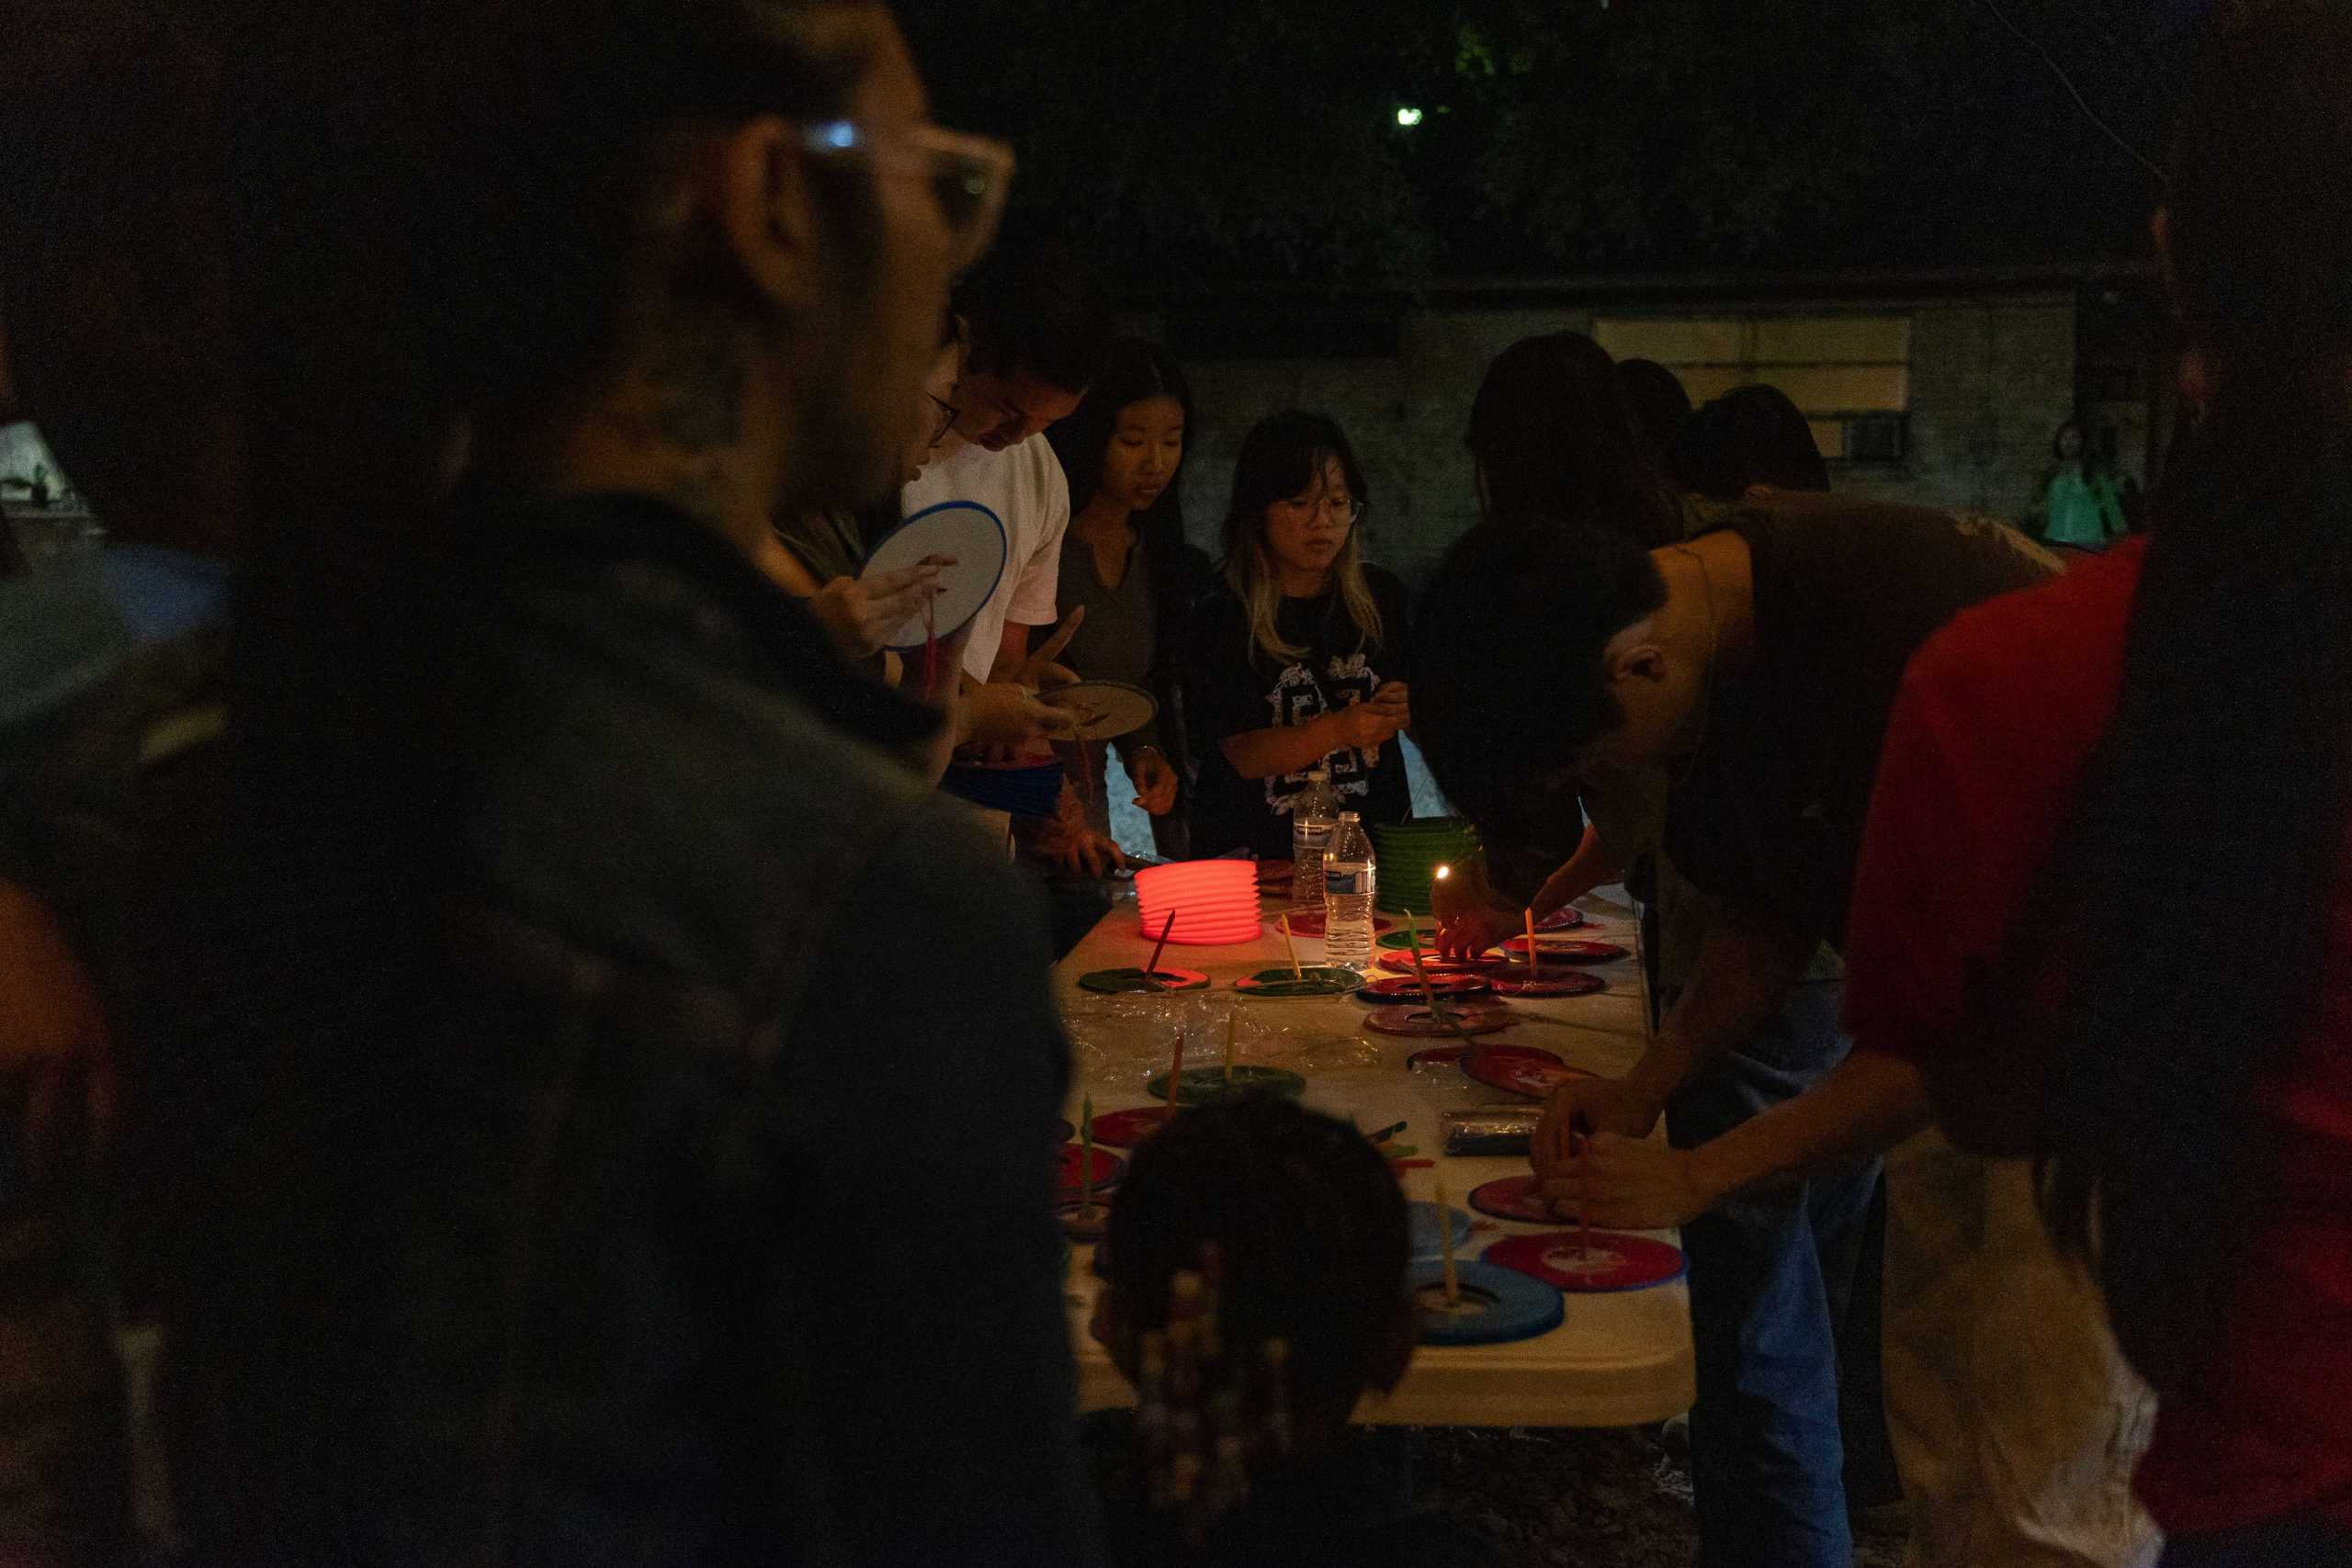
[1232,1031]
[1176,1068]
[1437,1010]
[1532,974]
[1151,970]
[1086,1156]
[1282,923]
[1445,1240]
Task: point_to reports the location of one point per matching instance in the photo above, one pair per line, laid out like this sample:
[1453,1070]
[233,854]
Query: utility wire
[2067,81]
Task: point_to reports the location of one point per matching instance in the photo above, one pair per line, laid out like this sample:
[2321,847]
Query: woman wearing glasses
[1125,562]
[1295,659]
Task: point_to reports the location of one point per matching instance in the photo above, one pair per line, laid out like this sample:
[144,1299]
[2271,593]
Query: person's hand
[1041,670]
[1155,781]
[1073,849]
[53,1055]
[1366,725]
[860,613]
[1635,1184]
[1395,702]
[1587,1105]
[1007,722]
[1472,931]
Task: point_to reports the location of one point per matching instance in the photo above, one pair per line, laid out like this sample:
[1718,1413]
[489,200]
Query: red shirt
[1997,717]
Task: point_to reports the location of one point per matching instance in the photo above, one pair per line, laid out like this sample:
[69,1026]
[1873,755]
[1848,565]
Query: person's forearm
[1286,749]
[1587,869]
[1868,1104]
[1746,970]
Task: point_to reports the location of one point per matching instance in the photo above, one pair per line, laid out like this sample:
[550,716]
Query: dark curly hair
[1309,1222]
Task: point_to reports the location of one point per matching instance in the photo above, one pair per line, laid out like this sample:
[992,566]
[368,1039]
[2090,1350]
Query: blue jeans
[1771,1273]
[2286,1543]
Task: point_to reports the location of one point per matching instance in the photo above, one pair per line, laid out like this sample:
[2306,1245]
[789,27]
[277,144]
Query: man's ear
[1637,661]
[760,193]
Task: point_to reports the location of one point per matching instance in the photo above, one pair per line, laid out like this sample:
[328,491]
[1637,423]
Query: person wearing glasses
[819,555]
[1038,329]
[1295,657]
[541,1226]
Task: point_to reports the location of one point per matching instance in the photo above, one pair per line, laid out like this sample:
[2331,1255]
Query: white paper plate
[1113,708]
[965,530]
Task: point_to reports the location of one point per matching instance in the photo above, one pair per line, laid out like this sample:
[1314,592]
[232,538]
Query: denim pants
[1771,1272]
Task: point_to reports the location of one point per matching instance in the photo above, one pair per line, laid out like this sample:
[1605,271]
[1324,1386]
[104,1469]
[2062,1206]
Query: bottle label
[1342,882]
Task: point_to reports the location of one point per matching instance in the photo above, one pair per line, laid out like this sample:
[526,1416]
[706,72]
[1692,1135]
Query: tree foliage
[1191,143]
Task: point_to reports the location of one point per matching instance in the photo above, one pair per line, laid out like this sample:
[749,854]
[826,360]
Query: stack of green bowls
[1410,854]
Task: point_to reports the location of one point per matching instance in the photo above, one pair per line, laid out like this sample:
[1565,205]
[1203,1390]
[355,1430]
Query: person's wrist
[1711,1173]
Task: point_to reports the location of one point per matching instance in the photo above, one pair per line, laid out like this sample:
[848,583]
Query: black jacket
[629,1113]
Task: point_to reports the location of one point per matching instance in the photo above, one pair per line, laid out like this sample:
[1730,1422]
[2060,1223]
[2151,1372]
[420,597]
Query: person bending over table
[1298,657]
[1756,663]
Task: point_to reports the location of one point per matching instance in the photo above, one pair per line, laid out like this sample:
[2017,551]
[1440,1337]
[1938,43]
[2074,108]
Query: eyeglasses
[1346,509]
[969,175]
[947,418]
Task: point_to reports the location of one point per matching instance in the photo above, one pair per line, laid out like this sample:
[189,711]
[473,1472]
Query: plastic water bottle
[1351,878]
[1310,836]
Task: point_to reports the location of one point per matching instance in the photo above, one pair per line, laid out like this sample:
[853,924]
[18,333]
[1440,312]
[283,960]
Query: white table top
[1616,1359]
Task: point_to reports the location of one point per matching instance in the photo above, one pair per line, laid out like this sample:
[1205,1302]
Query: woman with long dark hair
[2071,765]
[1296,658]
[2081,506]
[1125,560]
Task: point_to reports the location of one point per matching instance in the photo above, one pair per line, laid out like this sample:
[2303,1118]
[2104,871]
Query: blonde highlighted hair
[1283,456]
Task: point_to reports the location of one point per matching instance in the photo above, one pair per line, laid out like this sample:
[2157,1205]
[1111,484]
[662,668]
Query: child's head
[1311,1236]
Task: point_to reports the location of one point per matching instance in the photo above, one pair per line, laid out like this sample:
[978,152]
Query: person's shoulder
[1038,465]
[2071,627]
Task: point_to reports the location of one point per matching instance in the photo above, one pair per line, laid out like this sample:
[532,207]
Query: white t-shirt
[1024,487]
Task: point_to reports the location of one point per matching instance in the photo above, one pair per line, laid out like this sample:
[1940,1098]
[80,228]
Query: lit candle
[1532,973]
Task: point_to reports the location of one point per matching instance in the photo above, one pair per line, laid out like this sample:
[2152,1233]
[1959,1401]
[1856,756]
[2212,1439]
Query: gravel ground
[1590,1499]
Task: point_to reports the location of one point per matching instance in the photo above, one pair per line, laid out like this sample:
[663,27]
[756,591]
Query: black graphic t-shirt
[1235,687]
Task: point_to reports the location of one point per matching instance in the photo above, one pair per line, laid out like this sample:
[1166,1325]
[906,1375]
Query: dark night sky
[1188,146]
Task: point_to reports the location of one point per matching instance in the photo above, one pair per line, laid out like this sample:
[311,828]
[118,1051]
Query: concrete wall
[1991,380]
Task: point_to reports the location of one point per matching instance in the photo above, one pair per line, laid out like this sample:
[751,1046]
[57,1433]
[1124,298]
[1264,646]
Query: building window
[1849,374]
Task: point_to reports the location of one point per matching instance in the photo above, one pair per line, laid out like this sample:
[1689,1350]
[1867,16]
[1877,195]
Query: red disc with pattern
[1125,1129]
[1513,982]
[1419,1023]
[1513,1198]
[1532,1075]
[1605,1260]
[1406,987]
[1107,1169]
[1438,1055]
[1402,964]
[1568,950]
